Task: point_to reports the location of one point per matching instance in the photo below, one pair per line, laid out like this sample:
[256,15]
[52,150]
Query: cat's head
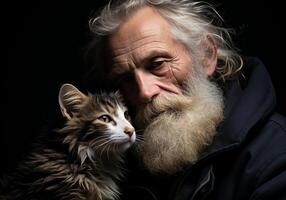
[96,123]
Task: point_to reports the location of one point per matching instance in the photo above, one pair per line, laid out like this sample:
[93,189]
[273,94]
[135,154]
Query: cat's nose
[129,131]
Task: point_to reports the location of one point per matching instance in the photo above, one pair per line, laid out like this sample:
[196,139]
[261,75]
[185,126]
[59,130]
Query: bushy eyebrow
[154,54]
[141,61]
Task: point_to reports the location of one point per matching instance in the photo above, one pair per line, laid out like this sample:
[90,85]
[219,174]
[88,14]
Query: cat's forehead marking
[109,104]
[116,109]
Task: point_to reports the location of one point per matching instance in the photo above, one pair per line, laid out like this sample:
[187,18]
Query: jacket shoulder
[270,174]
[270,138]
[279,120]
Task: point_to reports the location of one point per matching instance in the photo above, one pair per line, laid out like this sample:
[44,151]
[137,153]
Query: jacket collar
[247,103]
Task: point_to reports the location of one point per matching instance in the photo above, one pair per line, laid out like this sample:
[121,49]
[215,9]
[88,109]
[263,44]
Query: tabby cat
[82,160]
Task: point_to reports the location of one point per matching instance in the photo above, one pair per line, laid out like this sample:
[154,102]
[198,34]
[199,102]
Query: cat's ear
[118,95]
[70,99]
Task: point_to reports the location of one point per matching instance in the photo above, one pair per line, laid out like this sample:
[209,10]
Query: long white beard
[177,128]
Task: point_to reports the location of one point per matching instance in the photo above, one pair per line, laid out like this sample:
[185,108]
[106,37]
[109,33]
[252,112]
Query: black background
[44,44]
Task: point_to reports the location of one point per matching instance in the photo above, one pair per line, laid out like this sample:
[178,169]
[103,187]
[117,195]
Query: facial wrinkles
[128,57]
[134,44]
[135,52]
[135,39]
[176,69]
[131,42]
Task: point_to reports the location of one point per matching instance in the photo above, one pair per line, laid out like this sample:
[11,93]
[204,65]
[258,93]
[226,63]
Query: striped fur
[83,160]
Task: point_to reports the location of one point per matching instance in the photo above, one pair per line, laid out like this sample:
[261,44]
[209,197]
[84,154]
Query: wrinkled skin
[147,61]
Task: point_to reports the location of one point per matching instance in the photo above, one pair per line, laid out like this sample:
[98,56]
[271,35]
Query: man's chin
[183,127]
[167,148]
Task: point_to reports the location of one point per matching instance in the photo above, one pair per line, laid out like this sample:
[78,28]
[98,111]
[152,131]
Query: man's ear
[70,99]
[210,57]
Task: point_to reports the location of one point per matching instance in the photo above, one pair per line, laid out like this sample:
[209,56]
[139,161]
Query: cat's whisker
[139,141]
[103,149]
[101,141]
[106,150]
[109,149]
[117,147]
[102,145]
[116,138]
[139,130]
[139,136]
[103,136]
[98,143]
[83,158]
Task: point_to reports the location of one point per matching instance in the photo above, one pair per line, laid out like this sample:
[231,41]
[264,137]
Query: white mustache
[165,103]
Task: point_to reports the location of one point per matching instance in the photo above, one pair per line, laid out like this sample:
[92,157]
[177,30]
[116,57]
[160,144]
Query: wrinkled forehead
[144,23]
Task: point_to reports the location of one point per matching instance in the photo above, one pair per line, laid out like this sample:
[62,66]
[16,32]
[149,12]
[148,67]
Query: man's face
[176,105]
[145,60]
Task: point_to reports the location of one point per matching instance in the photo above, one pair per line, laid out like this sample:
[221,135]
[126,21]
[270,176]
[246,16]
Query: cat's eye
[105,118]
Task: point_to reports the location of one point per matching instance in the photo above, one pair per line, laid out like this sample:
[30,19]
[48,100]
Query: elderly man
[205,113]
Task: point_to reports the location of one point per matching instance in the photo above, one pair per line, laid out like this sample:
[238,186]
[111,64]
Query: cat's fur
[83,160]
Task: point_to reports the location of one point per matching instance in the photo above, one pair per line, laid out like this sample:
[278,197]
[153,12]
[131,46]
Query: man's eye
[105,118]
[156,64]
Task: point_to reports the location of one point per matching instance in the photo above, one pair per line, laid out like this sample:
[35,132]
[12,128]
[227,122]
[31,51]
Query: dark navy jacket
[247,159]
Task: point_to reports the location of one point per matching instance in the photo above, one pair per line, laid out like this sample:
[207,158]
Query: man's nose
[147,86]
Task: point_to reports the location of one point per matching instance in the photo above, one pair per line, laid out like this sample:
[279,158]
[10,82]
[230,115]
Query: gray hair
[192,23]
